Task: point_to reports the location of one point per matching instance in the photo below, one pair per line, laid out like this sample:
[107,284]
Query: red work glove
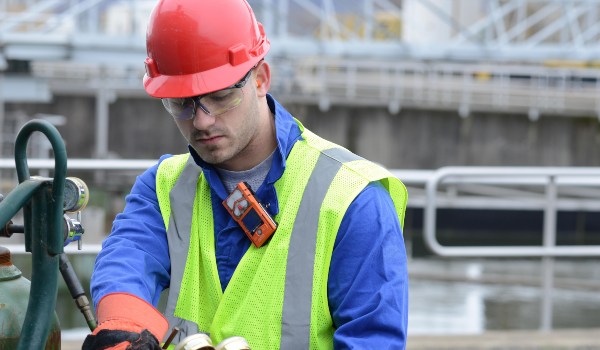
[126,322]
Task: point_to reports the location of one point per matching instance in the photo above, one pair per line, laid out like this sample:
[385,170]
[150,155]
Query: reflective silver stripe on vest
[182,198]
[342,155]
[295,327]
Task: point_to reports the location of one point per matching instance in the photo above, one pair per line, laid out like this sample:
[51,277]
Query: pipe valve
[73,230]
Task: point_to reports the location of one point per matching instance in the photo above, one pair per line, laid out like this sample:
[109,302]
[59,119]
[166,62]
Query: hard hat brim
[177,86]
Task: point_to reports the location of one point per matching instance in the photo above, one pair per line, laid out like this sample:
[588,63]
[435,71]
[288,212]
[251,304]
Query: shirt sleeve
[368,278]
[135,256]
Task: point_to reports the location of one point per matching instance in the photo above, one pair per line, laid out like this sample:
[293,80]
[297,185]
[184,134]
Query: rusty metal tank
[14,297]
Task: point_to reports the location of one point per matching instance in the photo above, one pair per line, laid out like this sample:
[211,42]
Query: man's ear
[263,78]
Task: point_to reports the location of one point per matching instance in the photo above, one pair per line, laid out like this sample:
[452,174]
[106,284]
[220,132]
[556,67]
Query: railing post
[549,241]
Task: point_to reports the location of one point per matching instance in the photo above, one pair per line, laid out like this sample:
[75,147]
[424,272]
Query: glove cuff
[130,313]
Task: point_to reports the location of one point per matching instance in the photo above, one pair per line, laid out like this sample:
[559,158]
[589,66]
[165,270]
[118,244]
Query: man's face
[226,140]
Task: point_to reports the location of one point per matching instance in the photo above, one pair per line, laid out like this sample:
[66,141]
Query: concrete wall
[138,127]
[417,139]
[412,139]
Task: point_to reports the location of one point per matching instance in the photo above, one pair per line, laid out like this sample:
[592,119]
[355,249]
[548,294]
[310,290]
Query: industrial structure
[413,84]
[531,57]
[465,54]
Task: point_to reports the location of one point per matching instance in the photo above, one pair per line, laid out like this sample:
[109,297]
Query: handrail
[85,164]
[500,175]
[424,186]
[549,177]
[430,200]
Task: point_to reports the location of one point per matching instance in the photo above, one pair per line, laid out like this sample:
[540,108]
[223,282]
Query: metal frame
[551,179]
[541,54]
[532,30]
[333,52]
[461,87]
[511,188]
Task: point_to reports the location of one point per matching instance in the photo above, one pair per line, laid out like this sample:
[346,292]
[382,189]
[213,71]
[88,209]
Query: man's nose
[202,120]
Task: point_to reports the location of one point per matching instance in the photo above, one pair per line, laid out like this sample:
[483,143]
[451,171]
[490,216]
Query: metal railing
[550,178]
[478,185]
[532,90]
[476,29]
[549,189]
[134,165]
[466,88]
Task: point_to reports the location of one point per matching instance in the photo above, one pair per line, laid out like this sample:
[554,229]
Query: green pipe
[43,217]
[55,240]
[16,199]
[44,275]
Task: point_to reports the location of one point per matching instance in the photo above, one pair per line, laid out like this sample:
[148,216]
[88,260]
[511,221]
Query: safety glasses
[213,103]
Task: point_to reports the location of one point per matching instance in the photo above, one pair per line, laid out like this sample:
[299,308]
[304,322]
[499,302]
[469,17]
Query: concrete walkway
[579,339]
[588,339]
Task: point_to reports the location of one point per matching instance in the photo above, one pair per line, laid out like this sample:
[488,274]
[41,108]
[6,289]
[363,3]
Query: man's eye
[187,102]
[219,95]
[176,102]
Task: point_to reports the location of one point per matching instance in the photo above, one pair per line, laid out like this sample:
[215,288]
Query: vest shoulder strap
[166,176]
[368,170]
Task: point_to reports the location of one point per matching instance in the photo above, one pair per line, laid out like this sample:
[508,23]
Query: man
[333,274]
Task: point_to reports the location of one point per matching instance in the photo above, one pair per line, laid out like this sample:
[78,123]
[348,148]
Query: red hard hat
[199,46]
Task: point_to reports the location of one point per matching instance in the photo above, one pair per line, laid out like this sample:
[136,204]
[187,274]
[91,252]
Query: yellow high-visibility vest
[277,296]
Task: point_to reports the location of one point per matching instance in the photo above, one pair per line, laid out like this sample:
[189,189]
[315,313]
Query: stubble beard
[235,144]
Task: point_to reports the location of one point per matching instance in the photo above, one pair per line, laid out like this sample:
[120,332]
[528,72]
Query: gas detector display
[250,214]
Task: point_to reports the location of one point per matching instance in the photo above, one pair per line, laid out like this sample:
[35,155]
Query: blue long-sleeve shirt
[368,279]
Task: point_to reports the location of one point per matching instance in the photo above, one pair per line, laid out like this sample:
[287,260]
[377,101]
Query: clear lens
[222,101]
[213,104]
[180,108]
